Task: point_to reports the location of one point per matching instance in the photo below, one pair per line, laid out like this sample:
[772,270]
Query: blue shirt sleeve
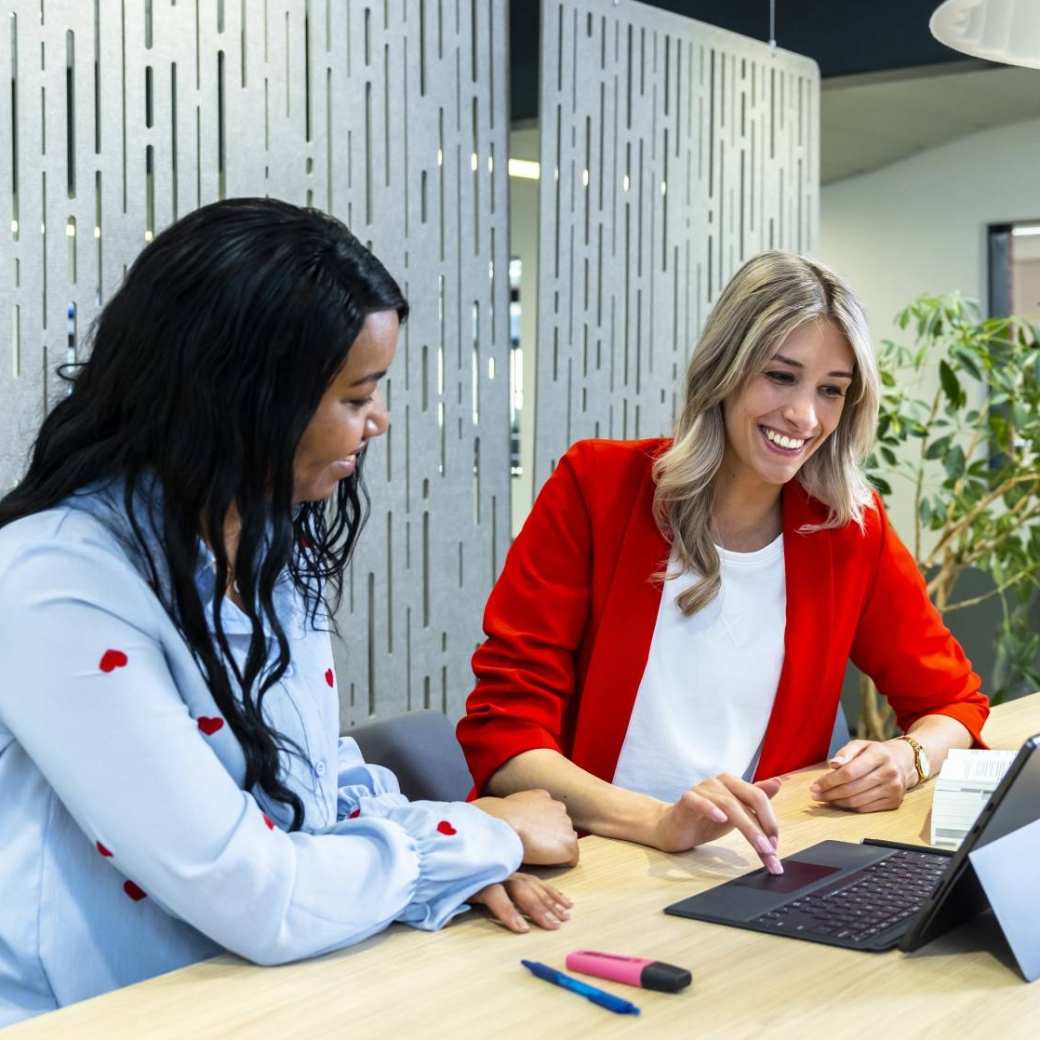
[90,697]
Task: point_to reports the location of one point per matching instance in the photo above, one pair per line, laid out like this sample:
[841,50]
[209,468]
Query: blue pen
[597,996]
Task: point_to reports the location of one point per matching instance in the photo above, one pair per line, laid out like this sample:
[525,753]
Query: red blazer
[569,624]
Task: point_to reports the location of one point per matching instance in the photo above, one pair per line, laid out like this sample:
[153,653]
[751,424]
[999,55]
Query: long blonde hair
[773,294]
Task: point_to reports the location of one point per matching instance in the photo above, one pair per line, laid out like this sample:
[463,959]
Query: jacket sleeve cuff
[502,741]
[971,716]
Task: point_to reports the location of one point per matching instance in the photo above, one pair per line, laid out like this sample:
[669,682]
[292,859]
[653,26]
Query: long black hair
[206,367]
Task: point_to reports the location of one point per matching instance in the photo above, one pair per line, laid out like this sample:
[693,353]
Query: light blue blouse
[129,847]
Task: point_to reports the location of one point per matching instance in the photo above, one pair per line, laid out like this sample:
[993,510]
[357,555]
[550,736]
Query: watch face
[926,766]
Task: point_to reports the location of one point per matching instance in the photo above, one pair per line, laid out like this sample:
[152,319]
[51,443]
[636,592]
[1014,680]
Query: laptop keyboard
[865,903]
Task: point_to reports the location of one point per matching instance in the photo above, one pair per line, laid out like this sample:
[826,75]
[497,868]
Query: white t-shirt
[710,680]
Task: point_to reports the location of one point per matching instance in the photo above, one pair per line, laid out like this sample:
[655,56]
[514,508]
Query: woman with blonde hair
[672,626]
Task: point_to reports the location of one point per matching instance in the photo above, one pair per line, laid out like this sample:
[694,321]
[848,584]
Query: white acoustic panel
[671,151]
[391,114]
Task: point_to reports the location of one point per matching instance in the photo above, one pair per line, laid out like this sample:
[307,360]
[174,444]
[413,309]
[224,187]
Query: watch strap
[918,750]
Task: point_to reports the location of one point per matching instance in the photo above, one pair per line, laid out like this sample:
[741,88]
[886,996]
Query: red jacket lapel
[622,642]
[800,727]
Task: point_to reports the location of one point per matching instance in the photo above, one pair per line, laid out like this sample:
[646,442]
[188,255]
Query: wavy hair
[206,367]
[773,294]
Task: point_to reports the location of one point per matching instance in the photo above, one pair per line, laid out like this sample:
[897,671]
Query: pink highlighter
[633,971]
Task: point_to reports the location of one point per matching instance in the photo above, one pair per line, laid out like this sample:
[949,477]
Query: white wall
[919,225]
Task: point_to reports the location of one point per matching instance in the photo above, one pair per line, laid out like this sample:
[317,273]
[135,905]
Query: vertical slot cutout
[173,138]
[368,149]
[426,569]
[221,129]
[15,216]
[371,643]
[99,257]
[70,113]
[97,77]
[307,71]
[70,237]
[422,48]
[149,193]
[386,116]
[476,481]
[389,581]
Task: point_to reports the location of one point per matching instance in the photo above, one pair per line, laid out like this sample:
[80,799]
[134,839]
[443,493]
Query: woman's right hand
[542,823]
[523,896]
[717,805]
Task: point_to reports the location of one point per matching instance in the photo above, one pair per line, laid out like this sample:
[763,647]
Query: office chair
[421,749]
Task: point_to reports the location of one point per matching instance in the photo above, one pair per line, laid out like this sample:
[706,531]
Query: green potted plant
[970,452]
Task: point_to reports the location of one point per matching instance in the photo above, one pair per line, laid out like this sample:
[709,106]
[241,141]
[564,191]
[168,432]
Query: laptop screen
[1020,803]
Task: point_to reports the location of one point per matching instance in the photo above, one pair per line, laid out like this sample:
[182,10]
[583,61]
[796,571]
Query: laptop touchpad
[796,875]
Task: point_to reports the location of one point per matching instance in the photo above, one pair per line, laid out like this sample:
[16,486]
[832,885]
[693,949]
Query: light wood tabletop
[467,981]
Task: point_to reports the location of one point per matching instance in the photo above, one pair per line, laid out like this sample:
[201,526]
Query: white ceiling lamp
[1006,31]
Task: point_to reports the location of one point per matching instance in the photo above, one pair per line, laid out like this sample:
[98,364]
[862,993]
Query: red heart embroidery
[355,814]
[111,659]
[446,828]
[101,848]
[135,892]
[268,821]
[210,724]
[329,677]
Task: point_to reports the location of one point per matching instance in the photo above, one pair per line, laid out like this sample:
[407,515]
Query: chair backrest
[421,749]
[841,734]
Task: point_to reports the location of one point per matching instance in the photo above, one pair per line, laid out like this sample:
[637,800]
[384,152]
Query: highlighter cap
[666,978]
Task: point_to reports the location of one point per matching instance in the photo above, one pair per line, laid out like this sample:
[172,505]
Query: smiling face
[784,413]
[351,412]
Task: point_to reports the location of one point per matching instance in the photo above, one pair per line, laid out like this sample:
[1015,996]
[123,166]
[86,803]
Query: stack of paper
[965,782]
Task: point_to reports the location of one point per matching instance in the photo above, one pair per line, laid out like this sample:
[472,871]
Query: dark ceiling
[845,37]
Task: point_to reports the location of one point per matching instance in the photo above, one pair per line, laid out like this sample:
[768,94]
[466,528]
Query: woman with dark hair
[172,781]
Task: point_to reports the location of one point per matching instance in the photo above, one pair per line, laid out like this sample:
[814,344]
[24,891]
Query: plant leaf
[951,384]
[938,447]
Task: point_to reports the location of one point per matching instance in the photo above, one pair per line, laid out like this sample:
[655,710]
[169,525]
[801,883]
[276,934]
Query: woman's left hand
[542,824]
[868,776]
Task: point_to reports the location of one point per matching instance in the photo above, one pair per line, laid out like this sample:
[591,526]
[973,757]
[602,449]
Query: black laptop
[881,894]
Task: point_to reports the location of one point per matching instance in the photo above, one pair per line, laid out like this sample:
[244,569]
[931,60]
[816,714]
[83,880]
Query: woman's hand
[523,896]
[542,823]
[868,776]
[717,805]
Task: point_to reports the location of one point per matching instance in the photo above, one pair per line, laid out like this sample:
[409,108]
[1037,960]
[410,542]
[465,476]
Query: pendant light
[1006,31]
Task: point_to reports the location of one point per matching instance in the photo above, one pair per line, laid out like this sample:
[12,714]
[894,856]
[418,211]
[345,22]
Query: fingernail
[815,790]
[764,845]
[551,917]
[718,815]
[562,910]
[838,761]
[773,865]
[520,924]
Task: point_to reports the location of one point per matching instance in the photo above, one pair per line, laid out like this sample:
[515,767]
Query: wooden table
[466,981]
